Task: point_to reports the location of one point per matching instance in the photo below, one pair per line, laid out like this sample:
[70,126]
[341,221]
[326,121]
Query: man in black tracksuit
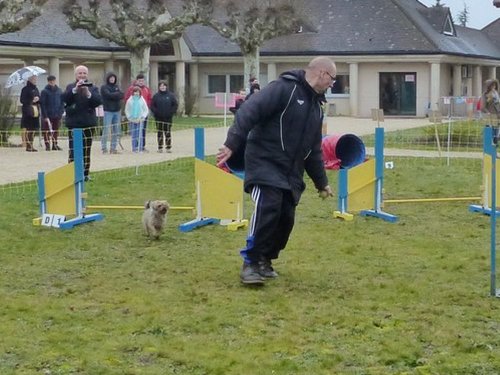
[279,129]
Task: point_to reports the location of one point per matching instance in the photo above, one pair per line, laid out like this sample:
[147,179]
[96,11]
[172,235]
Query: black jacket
[80,110]
[26,97]
[281,126]
[164,106]
[51,102]
[111,95]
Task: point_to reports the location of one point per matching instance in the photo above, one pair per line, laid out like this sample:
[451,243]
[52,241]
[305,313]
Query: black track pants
[271,223]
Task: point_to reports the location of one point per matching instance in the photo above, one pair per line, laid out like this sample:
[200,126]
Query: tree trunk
[251,64]
[139,63]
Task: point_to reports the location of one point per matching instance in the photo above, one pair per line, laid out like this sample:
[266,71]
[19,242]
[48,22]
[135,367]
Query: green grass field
[360,297]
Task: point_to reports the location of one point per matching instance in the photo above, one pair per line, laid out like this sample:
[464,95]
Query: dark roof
[347,27]
[341,27]
[493,31]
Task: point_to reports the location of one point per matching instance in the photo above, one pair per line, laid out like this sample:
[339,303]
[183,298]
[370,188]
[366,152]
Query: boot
[29,142]
[23,137]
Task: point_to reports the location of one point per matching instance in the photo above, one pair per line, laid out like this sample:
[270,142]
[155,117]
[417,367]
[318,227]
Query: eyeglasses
[334,79]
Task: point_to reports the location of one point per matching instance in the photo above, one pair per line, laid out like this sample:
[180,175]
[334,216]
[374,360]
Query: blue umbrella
[20,76]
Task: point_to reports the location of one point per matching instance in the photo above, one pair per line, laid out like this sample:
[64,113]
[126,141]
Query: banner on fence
[225,100]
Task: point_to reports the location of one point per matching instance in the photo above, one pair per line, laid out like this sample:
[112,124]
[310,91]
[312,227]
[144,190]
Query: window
[466,71]
[448,28]
[216,84]
[341,85]
[225,83]
[163,48]
[236,83]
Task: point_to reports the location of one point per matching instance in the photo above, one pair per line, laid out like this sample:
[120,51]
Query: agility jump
[61,193]
[488,180]
[219,195]
[360,187]
[490,199]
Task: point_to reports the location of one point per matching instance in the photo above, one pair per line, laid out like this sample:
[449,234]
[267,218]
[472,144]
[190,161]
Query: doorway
[398,93]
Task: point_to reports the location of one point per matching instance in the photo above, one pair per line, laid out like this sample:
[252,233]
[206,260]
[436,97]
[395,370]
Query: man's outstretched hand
[326,192]
[223,155]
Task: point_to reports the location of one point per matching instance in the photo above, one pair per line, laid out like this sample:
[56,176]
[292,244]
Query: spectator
[491,101]
[253,89]
[30,117]
[81,98]
[164,106]
[111,102]
[136,111]
[52,108]
[147,96]
[251,82]
[238,101]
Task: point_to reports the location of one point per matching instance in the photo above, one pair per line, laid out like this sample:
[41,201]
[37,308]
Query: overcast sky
[481,12]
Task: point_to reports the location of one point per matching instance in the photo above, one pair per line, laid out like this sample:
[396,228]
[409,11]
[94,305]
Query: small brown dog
[155,217]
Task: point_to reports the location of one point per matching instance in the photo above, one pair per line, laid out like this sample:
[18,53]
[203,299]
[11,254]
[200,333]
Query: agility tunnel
[360,187]
[342,151]
[339,151]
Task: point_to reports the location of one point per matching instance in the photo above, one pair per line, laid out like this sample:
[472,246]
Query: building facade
[398,55]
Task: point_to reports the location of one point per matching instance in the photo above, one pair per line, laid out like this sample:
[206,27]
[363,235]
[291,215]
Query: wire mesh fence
[439,153]
[452,139]
[20,168]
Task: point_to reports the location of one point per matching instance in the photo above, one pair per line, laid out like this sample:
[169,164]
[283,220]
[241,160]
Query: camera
[86,83]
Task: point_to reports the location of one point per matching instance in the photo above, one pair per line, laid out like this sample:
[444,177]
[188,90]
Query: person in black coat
[280,131]
[240,99]
[81,98]
[111,101]
[164,106]
[30,117]
[52,108]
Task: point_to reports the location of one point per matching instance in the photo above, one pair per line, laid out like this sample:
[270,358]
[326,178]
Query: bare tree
[463,16]
[135,27]
[16,14]
[250,23]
